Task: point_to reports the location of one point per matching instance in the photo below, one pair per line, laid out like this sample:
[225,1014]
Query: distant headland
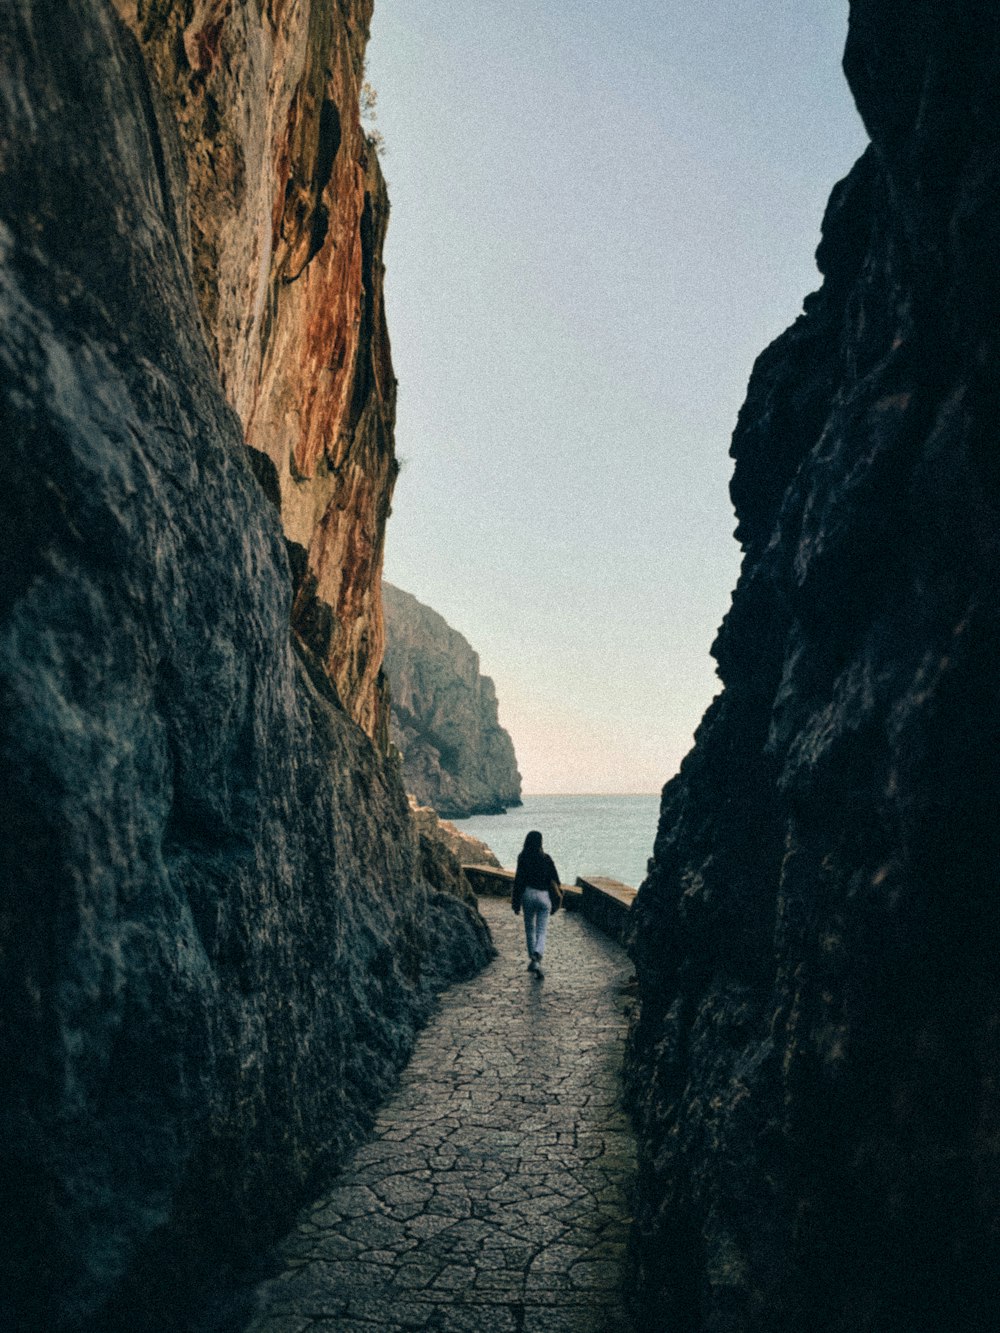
[457,758]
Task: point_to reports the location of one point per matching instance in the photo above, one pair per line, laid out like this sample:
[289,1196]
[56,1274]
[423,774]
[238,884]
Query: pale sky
[601,214]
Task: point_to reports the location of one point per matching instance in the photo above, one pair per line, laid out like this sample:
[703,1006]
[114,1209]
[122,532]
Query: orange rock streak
[288,213]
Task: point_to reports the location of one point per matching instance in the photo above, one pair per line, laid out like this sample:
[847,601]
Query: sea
[584,835]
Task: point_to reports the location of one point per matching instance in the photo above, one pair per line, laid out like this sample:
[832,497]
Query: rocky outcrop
[456,756]
[217,941]
[462,846]
[439,865]
[813,1068]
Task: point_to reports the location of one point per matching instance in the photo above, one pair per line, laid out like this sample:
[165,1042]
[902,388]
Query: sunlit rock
[456,756]
[466,849]
[288,211]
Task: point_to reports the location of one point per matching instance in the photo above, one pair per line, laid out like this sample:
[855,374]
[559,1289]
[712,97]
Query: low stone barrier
[492,883]
[607,903]
[488,881]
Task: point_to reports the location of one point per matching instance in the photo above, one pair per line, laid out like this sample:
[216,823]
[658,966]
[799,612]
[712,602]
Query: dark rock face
[813,1068]
[456,756]
[216,939]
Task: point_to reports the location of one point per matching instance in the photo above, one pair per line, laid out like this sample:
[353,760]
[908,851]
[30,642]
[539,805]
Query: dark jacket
[536,872]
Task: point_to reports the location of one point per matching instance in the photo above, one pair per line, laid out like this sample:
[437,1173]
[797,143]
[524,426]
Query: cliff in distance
[219,929]
[457,758]
[814,1065]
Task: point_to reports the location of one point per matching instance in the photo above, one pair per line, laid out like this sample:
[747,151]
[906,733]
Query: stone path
[494,1196]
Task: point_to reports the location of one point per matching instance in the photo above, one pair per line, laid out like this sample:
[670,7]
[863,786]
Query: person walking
[536,889]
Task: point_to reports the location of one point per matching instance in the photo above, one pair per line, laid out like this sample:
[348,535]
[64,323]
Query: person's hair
[532,861]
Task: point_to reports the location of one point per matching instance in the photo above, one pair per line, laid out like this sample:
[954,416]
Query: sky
[601,214]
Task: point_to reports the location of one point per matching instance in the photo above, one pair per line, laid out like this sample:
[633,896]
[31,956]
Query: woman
[536,888]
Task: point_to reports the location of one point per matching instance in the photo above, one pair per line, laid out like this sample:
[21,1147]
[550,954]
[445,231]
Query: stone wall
[814,1066]
[608,904]
[217,940]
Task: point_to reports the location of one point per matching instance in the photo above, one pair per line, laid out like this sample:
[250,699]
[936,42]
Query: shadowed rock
[814,1069]
[216,940]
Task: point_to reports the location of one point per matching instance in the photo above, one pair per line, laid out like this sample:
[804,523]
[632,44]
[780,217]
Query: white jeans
[536,906]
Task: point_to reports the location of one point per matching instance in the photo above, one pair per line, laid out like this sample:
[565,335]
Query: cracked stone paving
[495,1193]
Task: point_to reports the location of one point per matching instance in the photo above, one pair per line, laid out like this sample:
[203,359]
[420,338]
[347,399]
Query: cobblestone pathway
[494,1196]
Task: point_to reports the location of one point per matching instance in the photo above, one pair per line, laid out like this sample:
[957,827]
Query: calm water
[584,835]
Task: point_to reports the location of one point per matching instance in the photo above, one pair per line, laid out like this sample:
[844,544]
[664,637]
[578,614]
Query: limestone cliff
[814,1067]
[216,939]
[288,211]
[456,756]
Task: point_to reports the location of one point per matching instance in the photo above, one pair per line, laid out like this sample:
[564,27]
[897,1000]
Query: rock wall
[456,756]
[216,939]
[288,211]
[814,1065]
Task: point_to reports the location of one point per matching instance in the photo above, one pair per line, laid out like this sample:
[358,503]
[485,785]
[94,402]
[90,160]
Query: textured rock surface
[288,211]
[439,865]
[462,846]
[216,940]
[456,756]
[815,1071]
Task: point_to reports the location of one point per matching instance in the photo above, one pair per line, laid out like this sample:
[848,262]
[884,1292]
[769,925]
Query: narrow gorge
[221,925]
[813,1069]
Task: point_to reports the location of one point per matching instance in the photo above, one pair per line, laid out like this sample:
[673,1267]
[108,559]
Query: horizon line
[588,793]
